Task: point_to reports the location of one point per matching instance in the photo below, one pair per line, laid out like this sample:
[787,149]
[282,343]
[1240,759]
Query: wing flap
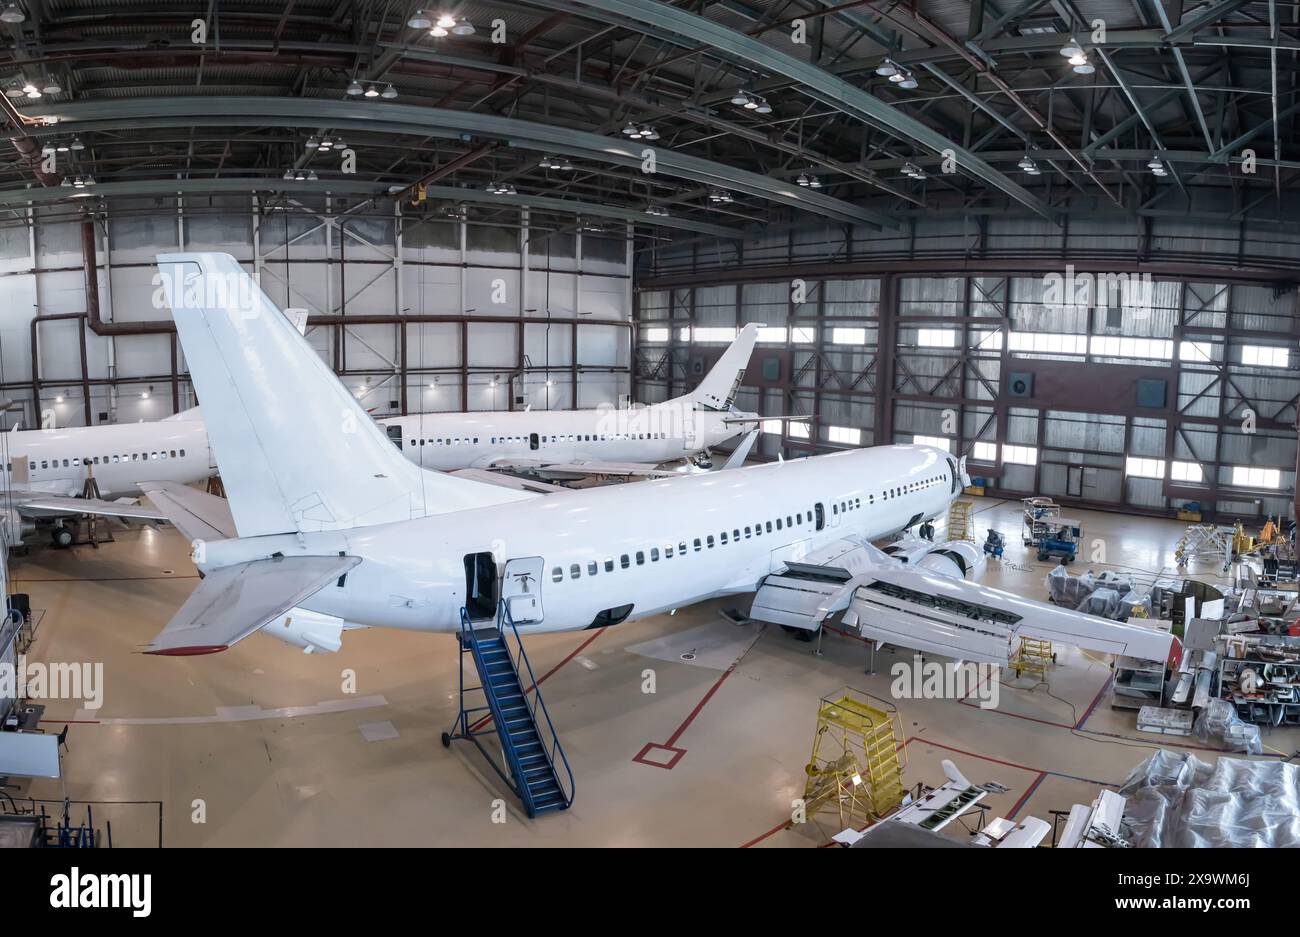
[232,602]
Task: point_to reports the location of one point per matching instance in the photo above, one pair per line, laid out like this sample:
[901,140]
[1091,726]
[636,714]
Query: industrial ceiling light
[763,107]
[908,83]
[463,28]
[78,182]
[355,89]
[913,171]
[740,98]
[419,20]
[389,93]
[50,86]
[66,183]
[814,182]
[31,90]
[567,166]
[300,176]
[312,177]
[886,69]
[803,179]
[12,14]
[630,130]
[312,143]
[14,91]
[288,175]
[898,77]
[372,91]
[446,21]
[649,133]
[752,102]
[145,395]
[1071,49]
[62,146]
[76,144]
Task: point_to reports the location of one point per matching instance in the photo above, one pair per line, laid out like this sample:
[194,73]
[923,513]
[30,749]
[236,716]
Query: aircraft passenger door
[395,434]
[533,442]
[835,514]
[1074,481]
[821,515]
[19,475]
[521,588]
[688,431]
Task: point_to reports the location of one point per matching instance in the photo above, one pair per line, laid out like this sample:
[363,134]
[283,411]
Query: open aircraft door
[521,589]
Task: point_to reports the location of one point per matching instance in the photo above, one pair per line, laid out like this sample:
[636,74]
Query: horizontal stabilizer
[193,413]
[232,602]
[196,514]
[741,452]
[508,481]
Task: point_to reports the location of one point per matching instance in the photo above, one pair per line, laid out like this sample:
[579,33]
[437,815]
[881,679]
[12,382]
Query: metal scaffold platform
[856,769]
[961,521]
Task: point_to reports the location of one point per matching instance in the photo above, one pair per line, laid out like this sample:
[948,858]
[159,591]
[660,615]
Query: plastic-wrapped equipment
[1219,726]
[1175,800]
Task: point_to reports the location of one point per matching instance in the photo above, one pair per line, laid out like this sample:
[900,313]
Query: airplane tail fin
[296,451]
[719,388]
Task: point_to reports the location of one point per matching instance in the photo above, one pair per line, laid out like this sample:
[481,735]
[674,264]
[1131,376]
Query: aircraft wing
[196,514]
[888,601]
[580,469]
[234,601]
[509,481]
[39,505]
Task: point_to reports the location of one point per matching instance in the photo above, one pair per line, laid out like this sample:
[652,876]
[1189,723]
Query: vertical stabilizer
[295,450]
[718,389]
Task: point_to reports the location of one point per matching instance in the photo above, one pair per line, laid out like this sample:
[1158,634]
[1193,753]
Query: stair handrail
[537,703]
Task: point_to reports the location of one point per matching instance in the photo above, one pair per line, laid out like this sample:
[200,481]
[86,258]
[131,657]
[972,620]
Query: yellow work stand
[961,517]
[1034,655]
[856,768]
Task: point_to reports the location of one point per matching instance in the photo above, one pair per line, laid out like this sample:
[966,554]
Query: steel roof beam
[13,197]
[692,31]
[428,121]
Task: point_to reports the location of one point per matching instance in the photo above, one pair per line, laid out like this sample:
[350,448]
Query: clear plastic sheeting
[1219,725]
[1176,801]
[1069,591]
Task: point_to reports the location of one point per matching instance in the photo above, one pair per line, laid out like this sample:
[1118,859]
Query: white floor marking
[241,713]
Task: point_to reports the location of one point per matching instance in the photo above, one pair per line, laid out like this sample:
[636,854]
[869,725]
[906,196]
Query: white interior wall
[328,260]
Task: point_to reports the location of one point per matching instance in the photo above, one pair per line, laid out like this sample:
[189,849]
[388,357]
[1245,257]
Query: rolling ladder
[531,762]
[961,515]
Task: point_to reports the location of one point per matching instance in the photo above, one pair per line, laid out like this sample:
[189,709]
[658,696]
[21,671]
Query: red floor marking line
[671,745]
[1025,796]
[1095,700]
[1000,712]
[758,839]
[542,679]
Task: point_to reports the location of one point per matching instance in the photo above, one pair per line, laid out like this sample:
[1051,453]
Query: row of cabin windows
[105,460]
[626,560]
[572,437]
[890,493]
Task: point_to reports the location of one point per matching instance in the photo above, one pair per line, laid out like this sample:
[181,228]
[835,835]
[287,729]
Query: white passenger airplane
[327,529]
[44,472]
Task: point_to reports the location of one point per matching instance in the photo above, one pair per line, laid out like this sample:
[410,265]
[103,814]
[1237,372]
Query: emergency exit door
[521,589]
[19,475]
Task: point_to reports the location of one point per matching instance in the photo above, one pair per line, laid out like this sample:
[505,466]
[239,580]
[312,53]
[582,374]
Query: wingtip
[191,651]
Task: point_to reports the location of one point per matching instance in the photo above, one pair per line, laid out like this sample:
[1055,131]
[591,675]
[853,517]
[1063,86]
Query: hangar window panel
[800,431]
[987,341]
[848,336]
[936,338]
[1194,352]
[848,435]
[774,427]
[1020,455]
[1186,472]
[802,335]
[772,334]
[711,334]
[985,452]
[1144,468]
[1244,476]
[655,335]
[1264,356]
[937,441]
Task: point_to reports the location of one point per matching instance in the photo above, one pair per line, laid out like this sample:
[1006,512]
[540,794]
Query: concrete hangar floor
[266,747]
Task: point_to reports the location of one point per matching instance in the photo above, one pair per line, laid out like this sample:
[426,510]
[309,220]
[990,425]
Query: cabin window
[709,541]
[65,462]
[722,538]
[835,509]
[769,527]
[747,532]
[575,571]
[557,575]
[640,557]
[758,529]
[799,517]
[735,534]
[697,544]
[115,458]
[668,552]
[592,568]
[609,565]
[654,554]
[681,548]
[624,561]
[44,465]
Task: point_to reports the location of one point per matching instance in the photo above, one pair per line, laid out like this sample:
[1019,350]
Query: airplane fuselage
[59,461]
[608,554]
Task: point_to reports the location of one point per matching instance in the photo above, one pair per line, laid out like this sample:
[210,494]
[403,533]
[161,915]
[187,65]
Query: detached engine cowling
[313,632]
[958,559]
[14,528]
